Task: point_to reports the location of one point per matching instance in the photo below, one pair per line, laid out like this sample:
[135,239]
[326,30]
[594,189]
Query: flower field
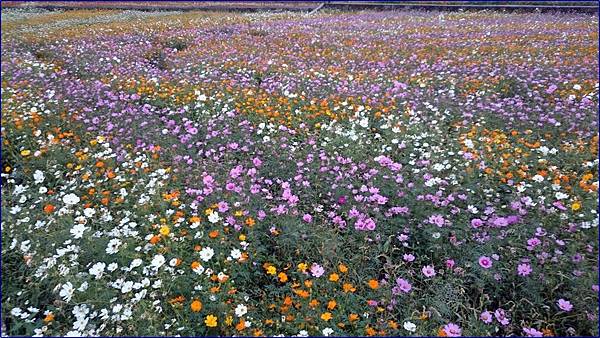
[283,174]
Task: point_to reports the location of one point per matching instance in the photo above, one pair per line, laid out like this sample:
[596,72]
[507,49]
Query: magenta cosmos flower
[485,262]
[565,305]
[428,271]
[452,330]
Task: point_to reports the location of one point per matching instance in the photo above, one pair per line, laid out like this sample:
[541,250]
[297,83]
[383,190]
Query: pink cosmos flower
[452,330]
[524,269]
[317,270]
[485,262]
[565,305]
[486,317]
[307,218]
[428,271]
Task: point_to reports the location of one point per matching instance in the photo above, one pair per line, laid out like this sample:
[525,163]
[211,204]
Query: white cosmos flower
[127,286]
[77,230]
[97,270]
[66,292]
[235,254]
[206,253]
[241,310]
[113,246]
[538,178]
[70,199]
[364,122]
[158,261]
[560,196]
[214,217]
[112,267]
[135,263]
[409,326]
[327,331]
[38,176]
[89,212]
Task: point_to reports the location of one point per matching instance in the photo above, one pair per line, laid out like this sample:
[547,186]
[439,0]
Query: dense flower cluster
[373,173]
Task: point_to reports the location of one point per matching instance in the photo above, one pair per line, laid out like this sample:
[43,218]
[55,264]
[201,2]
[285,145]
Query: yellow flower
[165,230]
[228,320]
[238,213]
[25,152]
[242,237]
[208,211]
[302,267]
[271,270]
[210,321]
[576,206]
[326,316]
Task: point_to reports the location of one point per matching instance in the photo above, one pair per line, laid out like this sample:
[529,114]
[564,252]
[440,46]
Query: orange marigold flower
[49,317]
[49,208]
[349,287]
[213,234]
[154,239]
[373,284]
[250,221]
[196,306]
[326,316]
[343,268]
[331,304]
[353,317]
[282,277]
[334,277]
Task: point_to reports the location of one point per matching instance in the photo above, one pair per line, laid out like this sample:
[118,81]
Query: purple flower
[485,262]
[476,223]
[307,218]
[531,332]
[452,330]
[408,257]
[551,89]
[437,220]
[565,305]
[501,317]
[404,285]
[524,269]
[428,271]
